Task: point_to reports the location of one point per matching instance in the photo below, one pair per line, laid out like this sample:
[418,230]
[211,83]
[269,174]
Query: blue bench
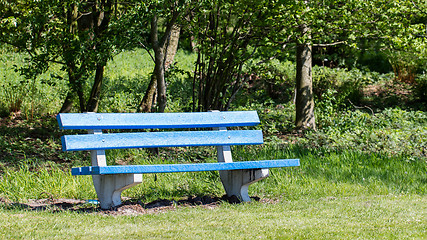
[203,129]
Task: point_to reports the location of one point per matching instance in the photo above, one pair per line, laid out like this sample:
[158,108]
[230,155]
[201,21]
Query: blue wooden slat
[160,139]
[156,120]
[196,167]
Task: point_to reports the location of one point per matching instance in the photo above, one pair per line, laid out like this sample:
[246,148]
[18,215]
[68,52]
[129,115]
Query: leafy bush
[421,87]
[276,119]
[276,80]
[338,88]
[390,132]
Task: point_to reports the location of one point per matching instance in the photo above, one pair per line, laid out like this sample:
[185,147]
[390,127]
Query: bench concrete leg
[109,187]
[236,182]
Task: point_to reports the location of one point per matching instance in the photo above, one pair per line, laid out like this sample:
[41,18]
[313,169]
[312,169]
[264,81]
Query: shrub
[340,87]
[421,87]
[271,81]
[390,132]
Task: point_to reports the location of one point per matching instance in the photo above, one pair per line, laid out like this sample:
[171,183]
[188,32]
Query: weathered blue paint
[160,139]
[196,167]
[156,120]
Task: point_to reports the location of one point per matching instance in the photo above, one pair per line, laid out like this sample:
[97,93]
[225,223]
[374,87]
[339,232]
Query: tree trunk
[304,87]
[76,87]
[68,103]
[172,46]
[150,95]
[146,104]
[93,101]
[76,84]
[101,19]
[159,68]
[161,54]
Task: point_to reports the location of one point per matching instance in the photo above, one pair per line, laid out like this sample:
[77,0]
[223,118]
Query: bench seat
[193,167]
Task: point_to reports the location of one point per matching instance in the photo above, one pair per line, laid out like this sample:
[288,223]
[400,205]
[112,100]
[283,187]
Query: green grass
[359,217]
[321,174]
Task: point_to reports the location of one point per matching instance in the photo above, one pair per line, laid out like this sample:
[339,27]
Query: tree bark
[149,98]
[76,84]
[172,46]
[146,104]
[304,87]
[93,101]
[67,105]
[159,68]
[161,52]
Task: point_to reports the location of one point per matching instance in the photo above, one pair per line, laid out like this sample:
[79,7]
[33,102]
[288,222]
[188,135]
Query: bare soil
[129,207]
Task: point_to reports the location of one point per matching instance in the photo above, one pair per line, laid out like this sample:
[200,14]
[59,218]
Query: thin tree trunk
[93,101]
[304,87]
[150,95]
[160,50]
[146,104]
[161,84]
[67,105]
[76,88]
[76,84]
[101,19]
[159,68]
[172,46]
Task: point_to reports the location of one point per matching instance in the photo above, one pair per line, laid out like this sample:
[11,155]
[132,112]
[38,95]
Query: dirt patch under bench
[129,206]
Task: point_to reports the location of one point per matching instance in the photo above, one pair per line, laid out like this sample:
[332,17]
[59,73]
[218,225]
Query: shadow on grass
[25,140]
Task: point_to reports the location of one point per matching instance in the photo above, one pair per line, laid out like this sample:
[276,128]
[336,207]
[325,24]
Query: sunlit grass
[321,174]
[360,217]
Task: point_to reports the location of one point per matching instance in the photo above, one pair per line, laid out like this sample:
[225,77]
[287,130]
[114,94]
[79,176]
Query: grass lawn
[361,217]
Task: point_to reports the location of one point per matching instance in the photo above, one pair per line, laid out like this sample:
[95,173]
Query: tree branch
[328,44]
[148,50]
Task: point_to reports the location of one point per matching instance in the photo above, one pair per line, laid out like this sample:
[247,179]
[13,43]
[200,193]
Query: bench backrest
[99,121]
[156,120]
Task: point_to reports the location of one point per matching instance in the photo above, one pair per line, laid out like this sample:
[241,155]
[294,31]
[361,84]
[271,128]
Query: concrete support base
[109,187]
[236,182]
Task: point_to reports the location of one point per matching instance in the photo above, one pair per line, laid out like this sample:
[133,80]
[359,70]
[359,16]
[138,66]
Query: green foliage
[75,35]
[227,36]
[33,97]
[276,119]
[390,132]
[336,88]
[421,87]
[272,80]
